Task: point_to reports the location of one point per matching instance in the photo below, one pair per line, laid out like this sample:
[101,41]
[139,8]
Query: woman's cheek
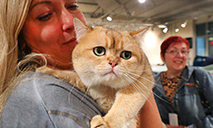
[50,34]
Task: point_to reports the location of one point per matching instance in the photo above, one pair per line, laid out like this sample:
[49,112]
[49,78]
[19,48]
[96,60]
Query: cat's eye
[99,51]
[126,55]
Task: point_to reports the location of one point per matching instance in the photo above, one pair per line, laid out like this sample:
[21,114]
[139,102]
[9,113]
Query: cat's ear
[139,33]
[80,28]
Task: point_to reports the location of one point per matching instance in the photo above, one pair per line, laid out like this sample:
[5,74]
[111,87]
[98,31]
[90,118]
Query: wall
[153,39]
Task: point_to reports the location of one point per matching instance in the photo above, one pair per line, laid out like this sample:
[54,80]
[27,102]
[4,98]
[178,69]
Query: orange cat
[113,70]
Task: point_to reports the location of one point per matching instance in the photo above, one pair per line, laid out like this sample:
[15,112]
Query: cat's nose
[113,63]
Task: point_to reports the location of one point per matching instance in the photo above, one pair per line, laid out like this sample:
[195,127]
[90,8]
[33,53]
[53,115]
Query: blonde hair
[12,17]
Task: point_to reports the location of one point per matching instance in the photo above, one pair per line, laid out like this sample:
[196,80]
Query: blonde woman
[30,99]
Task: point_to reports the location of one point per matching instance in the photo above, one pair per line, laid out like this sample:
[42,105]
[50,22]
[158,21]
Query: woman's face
[176,56]
[49,29]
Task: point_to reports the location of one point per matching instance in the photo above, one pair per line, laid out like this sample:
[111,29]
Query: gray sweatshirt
[44,101]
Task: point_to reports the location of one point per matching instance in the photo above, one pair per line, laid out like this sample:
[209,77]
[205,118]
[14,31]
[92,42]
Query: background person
[30,99]
[176,91]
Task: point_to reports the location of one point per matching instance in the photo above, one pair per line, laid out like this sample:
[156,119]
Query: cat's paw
[98,122]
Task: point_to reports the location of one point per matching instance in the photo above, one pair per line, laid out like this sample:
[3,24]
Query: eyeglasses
[175,52]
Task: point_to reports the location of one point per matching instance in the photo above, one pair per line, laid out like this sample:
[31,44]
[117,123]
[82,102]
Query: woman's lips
[179,62]
[71,41]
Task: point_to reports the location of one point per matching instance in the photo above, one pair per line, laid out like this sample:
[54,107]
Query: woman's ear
[162,57]
[23,48]
[80,28]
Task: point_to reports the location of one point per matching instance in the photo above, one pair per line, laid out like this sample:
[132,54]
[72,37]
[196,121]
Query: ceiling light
[161,26]
[109,18]
[142,1]
[183,25]
[165,30]
[177,30]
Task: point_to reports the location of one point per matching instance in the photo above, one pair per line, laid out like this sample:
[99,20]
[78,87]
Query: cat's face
[107,57]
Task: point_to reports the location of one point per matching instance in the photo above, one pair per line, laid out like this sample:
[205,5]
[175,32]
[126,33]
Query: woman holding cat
[179,88]
[30,99]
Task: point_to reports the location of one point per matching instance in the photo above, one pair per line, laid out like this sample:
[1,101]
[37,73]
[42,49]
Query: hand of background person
[180,126]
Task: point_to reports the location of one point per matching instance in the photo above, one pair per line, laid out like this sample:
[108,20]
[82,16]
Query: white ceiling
[131,14]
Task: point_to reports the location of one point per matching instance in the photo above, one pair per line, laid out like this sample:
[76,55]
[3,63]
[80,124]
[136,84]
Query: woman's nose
[180,54]
[67,21]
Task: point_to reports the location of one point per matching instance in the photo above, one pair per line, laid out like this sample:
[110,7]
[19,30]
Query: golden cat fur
[113,70]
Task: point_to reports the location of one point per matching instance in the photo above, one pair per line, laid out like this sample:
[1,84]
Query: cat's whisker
[139,76]
[136,72]
[145,96]
[149,81]
[154,84]
[130,79]
[122,80]
[138,89]
[70,91]
[158,85]
[140,82]
[154,93]
[88,88]
[128,72]
[88,85]
[126,69]
[86,92]
[161,98]
[141,91]
[145,79]
[131,73]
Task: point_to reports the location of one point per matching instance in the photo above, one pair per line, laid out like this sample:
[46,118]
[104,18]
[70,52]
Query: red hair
[172,39]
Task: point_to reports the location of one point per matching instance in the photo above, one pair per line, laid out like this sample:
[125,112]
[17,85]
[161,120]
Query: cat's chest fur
[103,95]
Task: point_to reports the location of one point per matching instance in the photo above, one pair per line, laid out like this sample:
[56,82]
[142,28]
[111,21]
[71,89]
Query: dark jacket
[187,102]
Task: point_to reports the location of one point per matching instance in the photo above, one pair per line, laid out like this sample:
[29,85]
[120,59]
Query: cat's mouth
[110,73]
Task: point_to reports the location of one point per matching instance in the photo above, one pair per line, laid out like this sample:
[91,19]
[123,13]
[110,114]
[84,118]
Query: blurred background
[191,19]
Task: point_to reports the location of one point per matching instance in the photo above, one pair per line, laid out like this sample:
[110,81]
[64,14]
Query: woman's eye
[44,17]
[99,51]
[126,55]
[173,51]
[73,7]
